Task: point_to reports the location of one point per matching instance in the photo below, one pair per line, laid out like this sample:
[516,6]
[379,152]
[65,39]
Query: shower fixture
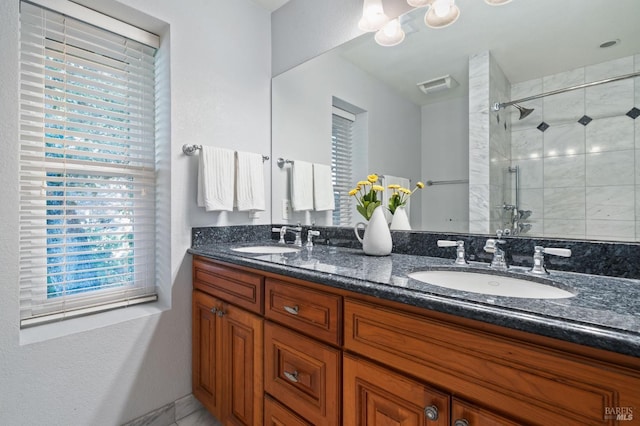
[524,112]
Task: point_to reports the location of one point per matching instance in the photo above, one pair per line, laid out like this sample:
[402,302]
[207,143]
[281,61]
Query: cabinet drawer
[277,415]
[302,374]
[235,286]
[520,380]
[312,312]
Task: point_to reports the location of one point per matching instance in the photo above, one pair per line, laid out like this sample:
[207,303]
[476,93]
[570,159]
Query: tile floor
[200,417]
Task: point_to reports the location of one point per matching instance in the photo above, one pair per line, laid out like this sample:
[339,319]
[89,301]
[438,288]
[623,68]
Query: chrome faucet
[538,258]
[491,246]
[460,254]
[282,232]
[297,231]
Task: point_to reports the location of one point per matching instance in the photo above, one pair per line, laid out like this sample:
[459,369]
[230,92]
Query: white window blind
[341,158]
[87,168]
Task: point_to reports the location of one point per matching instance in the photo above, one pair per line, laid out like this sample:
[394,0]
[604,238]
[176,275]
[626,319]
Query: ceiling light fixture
[497,2]
[373,16]
[419,3]
[442,13]
[391,34]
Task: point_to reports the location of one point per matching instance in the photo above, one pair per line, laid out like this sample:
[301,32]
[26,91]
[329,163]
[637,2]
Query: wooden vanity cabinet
[273,350]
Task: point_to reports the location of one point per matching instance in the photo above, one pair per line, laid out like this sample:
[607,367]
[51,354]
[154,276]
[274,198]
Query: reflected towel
[301,186]
[322,188]
[216,179]
[249,181]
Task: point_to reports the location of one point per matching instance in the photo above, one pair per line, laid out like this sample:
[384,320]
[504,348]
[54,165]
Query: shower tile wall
[581,179]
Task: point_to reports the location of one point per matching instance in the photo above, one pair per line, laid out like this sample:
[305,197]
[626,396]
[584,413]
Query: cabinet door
[241,346]
[375,396]
[206,368]
[465,414]
[277,415]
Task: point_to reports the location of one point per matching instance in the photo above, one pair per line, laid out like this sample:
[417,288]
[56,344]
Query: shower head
[524,112]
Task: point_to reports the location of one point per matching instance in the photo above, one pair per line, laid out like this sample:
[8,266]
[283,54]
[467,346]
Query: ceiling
[271,5]
[528,39]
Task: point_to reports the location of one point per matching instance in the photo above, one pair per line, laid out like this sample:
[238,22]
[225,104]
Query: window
[87,166]
[341,159]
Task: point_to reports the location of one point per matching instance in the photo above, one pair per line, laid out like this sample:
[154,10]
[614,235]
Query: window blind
[87,168]
[341,158]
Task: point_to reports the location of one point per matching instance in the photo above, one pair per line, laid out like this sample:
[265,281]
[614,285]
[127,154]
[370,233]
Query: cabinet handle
[221,313]
[291,376]
[293,310]
[431,412]
[214,310]
[461,422]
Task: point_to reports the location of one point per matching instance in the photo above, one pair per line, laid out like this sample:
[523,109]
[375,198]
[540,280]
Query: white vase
[377,237]
[400,220]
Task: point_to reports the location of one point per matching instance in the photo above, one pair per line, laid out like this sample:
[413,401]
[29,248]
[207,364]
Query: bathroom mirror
[576,157]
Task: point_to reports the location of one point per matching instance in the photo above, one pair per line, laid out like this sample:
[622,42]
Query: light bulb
[442,7]
[373,16]
[391,34]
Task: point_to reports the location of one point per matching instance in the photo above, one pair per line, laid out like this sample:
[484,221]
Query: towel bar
[281,162]
[191,150]
[445,182]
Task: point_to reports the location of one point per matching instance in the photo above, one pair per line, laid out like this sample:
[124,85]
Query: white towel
[322,188]
[301,186]
[393,180]
[249,182]
[216,178]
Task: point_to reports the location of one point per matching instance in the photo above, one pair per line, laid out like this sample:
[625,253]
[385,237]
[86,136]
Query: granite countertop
[604,313]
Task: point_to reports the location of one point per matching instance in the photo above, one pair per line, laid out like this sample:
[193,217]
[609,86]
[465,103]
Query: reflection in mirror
[570,168]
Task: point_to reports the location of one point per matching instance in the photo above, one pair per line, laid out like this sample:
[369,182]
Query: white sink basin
[496,285]
[266,249]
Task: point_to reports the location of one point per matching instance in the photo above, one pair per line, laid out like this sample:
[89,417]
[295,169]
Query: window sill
[54,330]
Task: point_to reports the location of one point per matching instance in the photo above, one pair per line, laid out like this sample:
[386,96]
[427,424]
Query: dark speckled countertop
[604,313]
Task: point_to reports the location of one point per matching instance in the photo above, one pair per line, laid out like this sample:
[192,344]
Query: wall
[445,156]
[302,124]
[581,181]
[110,368]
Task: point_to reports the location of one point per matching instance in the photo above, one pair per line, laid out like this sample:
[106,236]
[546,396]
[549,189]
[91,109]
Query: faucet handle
[282,231]
[310,234]
[538,258]
[447,243]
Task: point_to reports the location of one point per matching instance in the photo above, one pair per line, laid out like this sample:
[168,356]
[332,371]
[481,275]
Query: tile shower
[579,153]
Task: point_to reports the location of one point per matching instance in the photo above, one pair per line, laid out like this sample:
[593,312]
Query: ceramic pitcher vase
[377,237]
[400,220]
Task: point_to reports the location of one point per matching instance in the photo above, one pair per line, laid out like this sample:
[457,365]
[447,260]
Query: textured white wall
[116,370]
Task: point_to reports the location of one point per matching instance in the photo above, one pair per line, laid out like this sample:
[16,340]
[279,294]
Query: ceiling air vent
[437,84]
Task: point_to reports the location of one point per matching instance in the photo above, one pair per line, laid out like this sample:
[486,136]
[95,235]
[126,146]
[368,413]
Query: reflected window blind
[87,168]
[341,158]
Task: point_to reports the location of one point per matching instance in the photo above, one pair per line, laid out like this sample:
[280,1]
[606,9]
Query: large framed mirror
[423,111]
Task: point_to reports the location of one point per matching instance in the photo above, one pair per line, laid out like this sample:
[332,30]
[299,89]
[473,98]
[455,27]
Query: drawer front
[523,381]
[277,415]
[312,312]
[235,286]
[302,374]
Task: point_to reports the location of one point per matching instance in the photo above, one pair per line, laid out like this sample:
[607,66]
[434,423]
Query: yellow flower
[420,185]
[363,182]
[354,191]
[377,188]
[394,186]
[373,178]
[405,190]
